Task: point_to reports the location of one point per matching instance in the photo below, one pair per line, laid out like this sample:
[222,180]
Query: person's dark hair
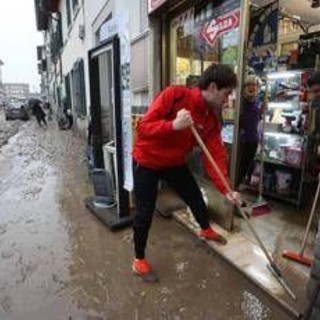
[314,79]
[192,80]
[221,74]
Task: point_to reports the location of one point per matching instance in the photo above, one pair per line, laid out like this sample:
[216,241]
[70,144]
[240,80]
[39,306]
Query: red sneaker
[142,268]
[210,234]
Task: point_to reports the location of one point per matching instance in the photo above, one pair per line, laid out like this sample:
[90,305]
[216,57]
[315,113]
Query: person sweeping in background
[163,142]
[250,118]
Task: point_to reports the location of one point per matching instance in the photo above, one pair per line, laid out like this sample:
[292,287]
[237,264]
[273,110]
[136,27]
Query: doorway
[106,111]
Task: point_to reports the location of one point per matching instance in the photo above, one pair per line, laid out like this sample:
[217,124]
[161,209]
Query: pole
[241,67]
[314,205]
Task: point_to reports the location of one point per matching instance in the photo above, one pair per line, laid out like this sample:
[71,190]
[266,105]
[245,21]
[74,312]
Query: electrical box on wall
[81,32]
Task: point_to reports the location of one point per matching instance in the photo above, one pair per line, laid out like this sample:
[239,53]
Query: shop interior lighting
[295,17]
[282,75]
[284,135]
[282,105]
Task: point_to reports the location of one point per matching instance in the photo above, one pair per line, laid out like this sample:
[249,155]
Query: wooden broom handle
[225,182]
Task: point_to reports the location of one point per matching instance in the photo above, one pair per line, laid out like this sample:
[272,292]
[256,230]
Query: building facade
[2,94]
[1,64]
[71,28]
[16,90]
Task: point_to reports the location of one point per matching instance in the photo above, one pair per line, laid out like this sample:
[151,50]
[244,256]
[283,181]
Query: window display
[200,36]
[286,137]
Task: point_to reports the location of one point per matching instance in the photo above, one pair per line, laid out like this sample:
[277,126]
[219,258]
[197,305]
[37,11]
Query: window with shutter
[68,12]
[75,4]
[78,88]
[83,108]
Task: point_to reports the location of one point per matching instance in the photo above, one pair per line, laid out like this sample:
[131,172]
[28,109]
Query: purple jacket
[249,121]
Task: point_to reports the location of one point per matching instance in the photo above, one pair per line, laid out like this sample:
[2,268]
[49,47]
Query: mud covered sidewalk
[59,262]
[7,129]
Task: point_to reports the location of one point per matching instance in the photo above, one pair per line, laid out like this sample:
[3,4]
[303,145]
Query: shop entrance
[188,53]
[107,142]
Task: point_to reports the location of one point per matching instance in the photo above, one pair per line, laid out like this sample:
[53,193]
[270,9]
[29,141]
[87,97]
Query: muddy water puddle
[59,262]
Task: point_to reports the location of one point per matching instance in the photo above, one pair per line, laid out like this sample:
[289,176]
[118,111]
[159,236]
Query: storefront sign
[120,26]
[219,26]
[154,4]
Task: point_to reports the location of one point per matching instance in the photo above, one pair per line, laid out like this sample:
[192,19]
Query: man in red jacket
[163,142]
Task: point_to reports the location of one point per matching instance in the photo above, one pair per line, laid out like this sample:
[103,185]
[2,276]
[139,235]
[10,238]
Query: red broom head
[297,257]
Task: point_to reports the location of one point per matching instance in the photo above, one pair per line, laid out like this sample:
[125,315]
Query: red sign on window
[213,29]
[154,4]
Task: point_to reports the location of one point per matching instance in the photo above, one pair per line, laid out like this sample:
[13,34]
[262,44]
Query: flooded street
[59,262]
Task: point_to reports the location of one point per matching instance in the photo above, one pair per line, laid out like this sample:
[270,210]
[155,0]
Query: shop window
[194,47]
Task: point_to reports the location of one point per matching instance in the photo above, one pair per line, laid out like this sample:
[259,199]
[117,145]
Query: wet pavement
[7,128]
[59,262]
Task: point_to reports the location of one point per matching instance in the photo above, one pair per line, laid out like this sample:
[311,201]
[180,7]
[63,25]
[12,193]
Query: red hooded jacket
[158,146]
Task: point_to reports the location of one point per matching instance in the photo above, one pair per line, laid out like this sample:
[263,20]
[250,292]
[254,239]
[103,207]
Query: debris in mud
[181,266]
[7,130]
[3,229]
[6,304]
[253,308]
[202,285]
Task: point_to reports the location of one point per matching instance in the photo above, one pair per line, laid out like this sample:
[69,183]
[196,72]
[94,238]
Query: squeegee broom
[260,206]
[272,265]
[299,257]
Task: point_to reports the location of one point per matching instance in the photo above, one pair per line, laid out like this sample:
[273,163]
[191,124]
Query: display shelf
[279,163]
[285,149]
[291,134]
[284,105]
[293,199]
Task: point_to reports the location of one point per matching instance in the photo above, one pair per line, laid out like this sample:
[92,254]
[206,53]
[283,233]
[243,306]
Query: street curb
[283,305]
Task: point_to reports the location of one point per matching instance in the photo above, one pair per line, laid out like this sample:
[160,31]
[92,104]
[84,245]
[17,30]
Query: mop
[261,206]
[272,265]
[299,257]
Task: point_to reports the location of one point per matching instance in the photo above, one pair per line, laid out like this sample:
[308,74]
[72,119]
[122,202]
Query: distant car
[15,111]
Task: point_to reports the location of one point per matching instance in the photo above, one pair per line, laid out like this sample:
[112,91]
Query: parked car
[15,111]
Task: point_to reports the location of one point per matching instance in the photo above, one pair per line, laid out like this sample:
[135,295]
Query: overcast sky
[18,41]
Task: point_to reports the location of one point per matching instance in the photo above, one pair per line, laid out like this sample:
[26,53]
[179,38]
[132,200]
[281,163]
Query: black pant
[70,121]
[40,119]
[146,188]
[247,152]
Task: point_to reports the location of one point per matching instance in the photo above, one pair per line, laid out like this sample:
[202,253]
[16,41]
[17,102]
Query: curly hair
[220,74]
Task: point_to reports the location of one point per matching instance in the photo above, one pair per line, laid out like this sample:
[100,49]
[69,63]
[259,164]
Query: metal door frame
[113,43]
